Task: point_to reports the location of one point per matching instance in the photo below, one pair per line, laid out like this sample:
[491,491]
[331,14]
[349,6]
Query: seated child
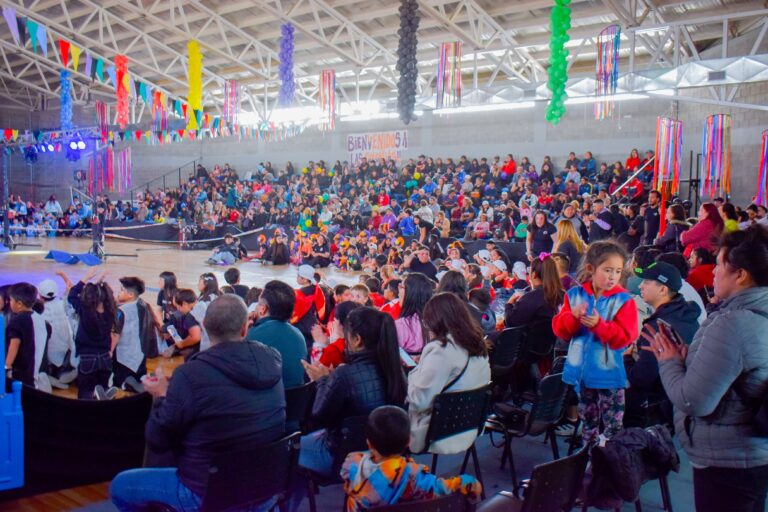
[383,476]
[61,346]
[136,332]
[225,254]
[361,294]
[183,331]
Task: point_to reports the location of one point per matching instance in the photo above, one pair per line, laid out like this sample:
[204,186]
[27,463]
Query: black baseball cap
[664,273]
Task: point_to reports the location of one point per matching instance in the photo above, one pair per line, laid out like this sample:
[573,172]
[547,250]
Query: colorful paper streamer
[121,65]
[607,71]
[762,176]
[716,156]
[328,99]
[287,85]
[448,79]
[666,166]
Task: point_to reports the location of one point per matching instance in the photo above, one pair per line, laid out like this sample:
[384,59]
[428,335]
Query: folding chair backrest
[555,485]
[549,405]
[540,340]
[458,412]
[242,478]
[450,503]
[298,403]
[352,439]
[558,365]
[508,347]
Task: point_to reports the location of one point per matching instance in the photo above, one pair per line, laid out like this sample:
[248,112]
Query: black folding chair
[239,479]
[455,413]
[298,404]
[450,503]
[540,341]
[509,346]
[541,416]
[352,439]
[553,487]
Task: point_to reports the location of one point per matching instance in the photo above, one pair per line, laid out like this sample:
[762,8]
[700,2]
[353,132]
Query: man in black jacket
[660,290]
[229,397]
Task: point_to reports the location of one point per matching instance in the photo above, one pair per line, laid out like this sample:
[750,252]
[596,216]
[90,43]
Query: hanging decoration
[21,24]
[66,101]
[102,118]
[287,84]
[716,156]
[64,52]
[9,13]
[761,199]
[231,101]
[666,166]
[195,96]
[560,23]
[159,111]
[42,38]
[121,64]
[32,29]
[407,64]
[328,99]
[124,169]
[448,79]
[607,64]
[75,55]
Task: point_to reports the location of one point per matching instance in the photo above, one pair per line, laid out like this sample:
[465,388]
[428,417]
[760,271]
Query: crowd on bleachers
[654,326]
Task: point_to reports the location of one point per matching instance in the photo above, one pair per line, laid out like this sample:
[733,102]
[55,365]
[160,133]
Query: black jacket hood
[251,365]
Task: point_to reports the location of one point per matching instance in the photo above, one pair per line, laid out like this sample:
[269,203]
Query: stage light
[73,145]
[81,145]
[50,147]
[42,148]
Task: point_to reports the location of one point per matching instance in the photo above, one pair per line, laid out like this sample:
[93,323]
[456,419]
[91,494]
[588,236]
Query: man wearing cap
[660,290]
[310,303]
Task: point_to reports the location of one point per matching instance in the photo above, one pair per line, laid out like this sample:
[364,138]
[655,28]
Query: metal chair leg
[507,449]
[513,471]
[553,442]
[466,462]
[478,473]
[638,506]
[666,497]
[434,464]
[311,488]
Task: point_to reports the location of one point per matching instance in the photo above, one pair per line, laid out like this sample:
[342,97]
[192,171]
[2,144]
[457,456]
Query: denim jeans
[315,456]
[135,489]
[93,370]
[224,257]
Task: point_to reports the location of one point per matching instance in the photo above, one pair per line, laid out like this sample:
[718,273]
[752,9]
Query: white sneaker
[56,383]
[567,428]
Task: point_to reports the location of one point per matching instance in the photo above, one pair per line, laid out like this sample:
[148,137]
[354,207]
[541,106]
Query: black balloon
[407,64]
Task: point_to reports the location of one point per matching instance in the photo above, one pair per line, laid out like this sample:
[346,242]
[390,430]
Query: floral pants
[600,404]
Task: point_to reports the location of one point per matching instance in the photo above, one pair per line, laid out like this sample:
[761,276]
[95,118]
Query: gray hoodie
[729,352]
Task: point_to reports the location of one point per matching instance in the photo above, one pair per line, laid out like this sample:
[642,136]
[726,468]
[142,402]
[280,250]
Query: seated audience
[415,291]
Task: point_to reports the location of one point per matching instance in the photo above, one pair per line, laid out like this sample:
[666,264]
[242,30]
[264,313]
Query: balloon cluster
[406,59]
[560,21]
[287,84]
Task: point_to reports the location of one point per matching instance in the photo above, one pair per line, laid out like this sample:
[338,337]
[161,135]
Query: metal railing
[176,180]
[634,175]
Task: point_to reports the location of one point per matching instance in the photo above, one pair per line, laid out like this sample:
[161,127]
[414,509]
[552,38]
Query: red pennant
[139,134]
[8,134]
[184,109]
[64,50]
[192,134]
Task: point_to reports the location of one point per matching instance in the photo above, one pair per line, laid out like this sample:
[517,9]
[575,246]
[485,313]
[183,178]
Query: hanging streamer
[66,101]
[448,79]
[195,70]
[328,99]
[287,85]
[121,65]
[666,166]
[231,101]
[102,118]
[560,22]
[124,169]
[159,111]
[607,64]
[716,156]
[75,55]
[762,177]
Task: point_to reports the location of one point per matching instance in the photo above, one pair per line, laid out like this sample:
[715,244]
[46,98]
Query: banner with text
[376,145]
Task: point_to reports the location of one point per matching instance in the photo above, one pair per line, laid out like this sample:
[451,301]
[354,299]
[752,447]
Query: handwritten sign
[376,145]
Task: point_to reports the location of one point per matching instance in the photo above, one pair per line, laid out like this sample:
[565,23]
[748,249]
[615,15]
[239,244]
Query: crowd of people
[660,321]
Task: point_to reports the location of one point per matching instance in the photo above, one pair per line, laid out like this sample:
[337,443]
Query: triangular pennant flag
[89,65]
[32,28]
[139,133]
[9,13]
[131,86]
[99,70]
[15,134]
[38,134]
[112,72]
[42,37]
[122,135]
[207,120]
[21,23]
[177,108]
[184,110]
[64,51]
[192,134]
[143,92]
[8,134]
[75,55]
[199,117]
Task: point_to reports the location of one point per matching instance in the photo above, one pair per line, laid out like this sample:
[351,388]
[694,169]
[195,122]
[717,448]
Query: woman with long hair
[541,236]
[454,360]
[415,291]
[542,301]
[670,240]
[718,384]
[730,218]
[706,231]
[570,243]
[372,376]
[168,288]
[208,286]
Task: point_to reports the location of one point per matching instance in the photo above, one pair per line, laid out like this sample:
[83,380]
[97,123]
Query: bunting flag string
[9,13]
[159,111]
[448,78]
[761,199]
[121,63]
[64,51]
[666,167]
[32,28]
[22,29]
[716,155]
[607,64]
[328,99]
[42,38]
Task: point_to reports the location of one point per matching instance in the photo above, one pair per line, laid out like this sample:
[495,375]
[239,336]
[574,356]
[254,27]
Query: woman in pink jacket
[415,291]
[706,232]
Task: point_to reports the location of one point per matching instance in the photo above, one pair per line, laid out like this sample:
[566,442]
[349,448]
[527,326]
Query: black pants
[122,372]
[730,489]
[94,369]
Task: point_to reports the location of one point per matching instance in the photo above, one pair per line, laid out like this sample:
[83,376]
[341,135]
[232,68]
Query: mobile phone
[406,358]
[670,332]
[174,333]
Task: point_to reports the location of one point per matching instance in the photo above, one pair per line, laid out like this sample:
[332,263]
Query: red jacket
[392,308]
[702,235]
[333,354]
[701,276]
[617,334]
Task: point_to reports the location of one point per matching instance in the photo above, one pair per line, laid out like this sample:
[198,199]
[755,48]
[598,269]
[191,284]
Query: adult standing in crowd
[541,236]
[705,233]
[719,383]
[652,217]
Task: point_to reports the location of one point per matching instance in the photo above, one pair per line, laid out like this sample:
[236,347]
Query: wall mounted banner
[377,145]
